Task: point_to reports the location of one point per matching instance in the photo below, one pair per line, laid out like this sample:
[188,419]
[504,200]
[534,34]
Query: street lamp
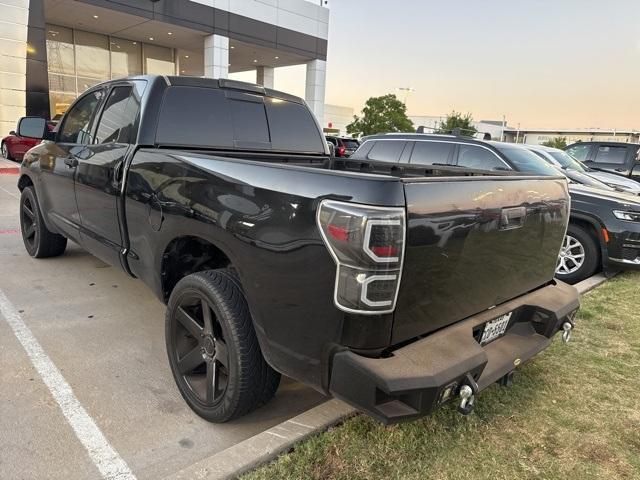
[407,91]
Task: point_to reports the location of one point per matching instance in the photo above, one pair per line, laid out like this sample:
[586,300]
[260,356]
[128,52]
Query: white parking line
[10,193]
[103,455]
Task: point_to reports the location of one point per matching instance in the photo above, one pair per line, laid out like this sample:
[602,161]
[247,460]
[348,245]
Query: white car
[563,160]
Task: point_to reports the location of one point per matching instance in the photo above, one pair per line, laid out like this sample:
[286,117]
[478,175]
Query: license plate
[495,328]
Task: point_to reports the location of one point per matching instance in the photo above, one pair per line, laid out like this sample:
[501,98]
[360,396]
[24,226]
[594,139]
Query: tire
[573,268]
[215,358]
[5,152]
[38,240]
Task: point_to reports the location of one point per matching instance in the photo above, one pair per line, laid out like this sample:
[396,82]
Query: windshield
[567,161]
[351,144]
[527,162]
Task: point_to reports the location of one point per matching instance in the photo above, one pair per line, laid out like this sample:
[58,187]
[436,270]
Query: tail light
[367,244]
[341,151]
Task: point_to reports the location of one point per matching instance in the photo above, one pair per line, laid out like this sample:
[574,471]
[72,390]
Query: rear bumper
[416,378]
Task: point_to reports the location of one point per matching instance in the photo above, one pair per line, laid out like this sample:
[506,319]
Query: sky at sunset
[542,63]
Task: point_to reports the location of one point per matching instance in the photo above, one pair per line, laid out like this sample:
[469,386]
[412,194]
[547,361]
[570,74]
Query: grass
[572,413]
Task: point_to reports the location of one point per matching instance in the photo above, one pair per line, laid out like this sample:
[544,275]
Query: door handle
[71,162]
[512,218]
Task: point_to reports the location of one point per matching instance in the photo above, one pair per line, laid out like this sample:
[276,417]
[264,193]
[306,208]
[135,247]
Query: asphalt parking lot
[104,332]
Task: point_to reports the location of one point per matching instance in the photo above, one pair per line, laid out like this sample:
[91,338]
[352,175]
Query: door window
[472,156]
[579,152]
[428,153]
[118,117]
[611,154]
[78,121]
[386,151]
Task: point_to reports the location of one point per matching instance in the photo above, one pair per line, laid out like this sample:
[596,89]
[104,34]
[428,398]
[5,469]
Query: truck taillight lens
[367,244]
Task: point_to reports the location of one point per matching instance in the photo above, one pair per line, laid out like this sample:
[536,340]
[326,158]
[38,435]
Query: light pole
[407,91]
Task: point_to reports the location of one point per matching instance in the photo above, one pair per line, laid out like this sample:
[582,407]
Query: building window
[78,60]
[92,55]
[60,52]
[126,58]
[158,60]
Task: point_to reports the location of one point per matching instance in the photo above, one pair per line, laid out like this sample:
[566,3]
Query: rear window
[292,126]
[351,144]
[218,118]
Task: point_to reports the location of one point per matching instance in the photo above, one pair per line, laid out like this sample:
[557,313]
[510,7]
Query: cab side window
[79,120]
[118,117]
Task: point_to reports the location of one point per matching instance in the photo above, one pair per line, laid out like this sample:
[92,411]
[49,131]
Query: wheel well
[186,255]
[588,227]
[591,230]
[24,182]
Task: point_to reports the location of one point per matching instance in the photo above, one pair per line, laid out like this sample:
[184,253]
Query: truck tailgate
[473,243]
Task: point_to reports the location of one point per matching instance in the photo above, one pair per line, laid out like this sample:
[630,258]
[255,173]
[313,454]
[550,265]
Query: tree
[456,120]
[381,115]
[557,142]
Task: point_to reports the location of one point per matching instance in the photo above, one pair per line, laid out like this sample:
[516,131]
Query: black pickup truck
[396,292]
[616,157]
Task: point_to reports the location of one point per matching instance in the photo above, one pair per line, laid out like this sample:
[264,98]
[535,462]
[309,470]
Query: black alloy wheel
[28,224]
[213,350]
[38,240]
[200,350]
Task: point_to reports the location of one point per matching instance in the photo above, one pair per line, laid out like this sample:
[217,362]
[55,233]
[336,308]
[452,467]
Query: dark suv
[604,226]
[616,157]
[344,146]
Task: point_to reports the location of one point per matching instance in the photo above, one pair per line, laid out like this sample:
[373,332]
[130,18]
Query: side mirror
[32,127]
[13,132]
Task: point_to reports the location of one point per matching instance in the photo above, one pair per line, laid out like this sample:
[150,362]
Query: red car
[14,146]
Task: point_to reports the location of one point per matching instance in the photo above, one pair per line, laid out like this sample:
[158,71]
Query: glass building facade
[78,60]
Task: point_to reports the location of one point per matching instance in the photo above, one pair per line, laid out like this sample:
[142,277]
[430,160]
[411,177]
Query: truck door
[59,161]
[99,172]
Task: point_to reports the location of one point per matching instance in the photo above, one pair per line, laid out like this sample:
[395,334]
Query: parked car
[273,258]
[580,173]
[615,157]
[14,146]
[604,226]
[344,146]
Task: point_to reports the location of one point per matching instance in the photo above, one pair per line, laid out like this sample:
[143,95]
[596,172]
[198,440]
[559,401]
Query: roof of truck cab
[203,82]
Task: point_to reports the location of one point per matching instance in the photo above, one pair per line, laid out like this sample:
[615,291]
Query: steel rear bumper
[428,372]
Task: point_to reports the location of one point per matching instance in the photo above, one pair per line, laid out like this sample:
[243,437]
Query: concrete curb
[590,283]
[9,167]
[266,446]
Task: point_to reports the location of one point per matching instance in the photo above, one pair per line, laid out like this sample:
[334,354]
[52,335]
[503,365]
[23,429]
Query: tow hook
[468,392]
[568,329]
